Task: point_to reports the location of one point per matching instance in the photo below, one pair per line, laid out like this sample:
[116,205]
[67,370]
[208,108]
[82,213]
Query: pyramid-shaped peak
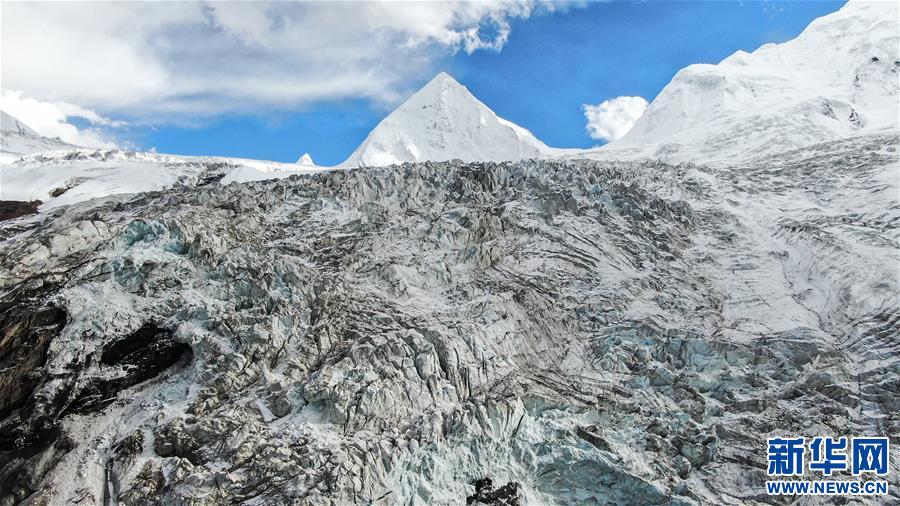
[444,121]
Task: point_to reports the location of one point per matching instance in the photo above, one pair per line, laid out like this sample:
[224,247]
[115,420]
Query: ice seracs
[574,332]
[444,121]
[836,79]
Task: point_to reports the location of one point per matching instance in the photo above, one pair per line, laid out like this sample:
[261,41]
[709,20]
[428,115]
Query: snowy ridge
[444,121]
[836,79]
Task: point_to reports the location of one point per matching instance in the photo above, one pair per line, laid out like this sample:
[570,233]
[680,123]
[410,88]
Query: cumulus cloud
[613,118]
[51,119]
[165,60]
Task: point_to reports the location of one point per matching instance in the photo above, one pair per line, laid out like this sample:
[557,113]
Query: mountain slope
[444,121]
[836,79]
[18,139]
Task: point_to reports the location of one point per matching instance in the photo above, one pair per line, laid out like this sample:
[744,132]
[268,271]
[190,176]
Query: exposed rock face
[138,357]
[27,326]
[33,399]
[10,209]
[577,332]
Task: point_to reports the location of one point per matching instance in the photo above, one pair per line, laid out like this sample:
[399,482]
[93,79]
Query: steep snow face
[444,121]
[306,160]
[836,79]
[17,140]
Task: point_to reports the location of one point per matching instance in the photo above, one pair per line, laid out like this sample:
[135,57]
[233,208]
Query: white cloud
[51,119]
[153,60]
[613,118]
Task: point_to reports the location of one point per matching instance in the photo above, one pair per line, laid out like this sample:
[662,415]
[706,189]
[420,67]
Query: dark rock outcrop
[136,358]
[10,209]
[28,323]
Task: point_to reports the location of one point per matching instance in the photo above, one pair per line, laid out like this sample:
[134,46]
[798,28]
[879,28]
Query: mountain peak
[837,79]
[444,121]
[443,77]
[445,81]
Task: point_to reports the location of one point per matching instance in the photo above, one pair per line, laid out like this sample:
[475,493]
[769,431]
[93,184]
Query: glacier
[586,332]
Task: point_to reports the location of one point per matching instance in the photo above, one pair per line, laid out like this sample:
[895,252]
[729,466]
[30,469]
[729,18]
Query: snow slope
[444,121]
[34,167]
[17,140]
[59,178]
[836,79]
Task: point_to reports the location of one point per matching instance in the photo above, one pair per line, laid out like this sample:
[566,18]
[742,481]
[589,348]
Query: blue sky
[230,79]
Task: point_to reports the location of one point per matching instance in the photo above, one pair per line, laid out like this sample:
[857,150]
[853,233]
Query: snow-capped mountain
[18,139]
[8,123]
[537,332]
[444,121]
[838,78]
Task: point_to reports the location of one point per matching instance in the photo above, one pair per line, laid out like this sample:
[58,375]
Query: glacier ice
[575,332]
